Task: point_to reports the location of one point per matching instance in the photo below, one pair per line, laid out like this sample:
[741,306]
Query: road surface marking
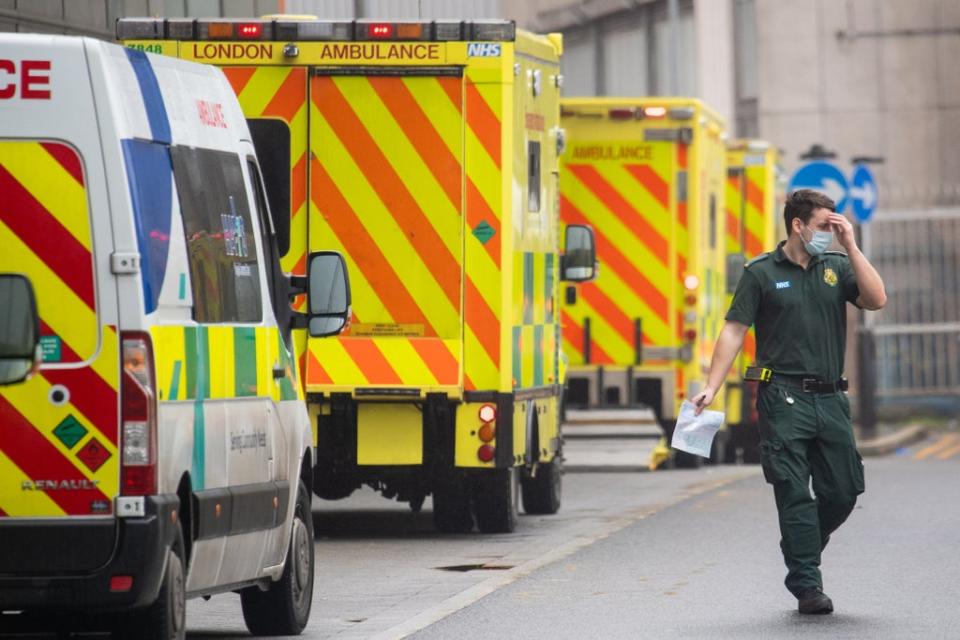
[944,443]
[949,453]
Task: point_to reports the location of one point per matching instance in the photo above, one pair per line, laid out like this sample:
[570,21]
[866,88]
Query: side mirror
[19,329]
[328,294]
[579,261]
[735,265]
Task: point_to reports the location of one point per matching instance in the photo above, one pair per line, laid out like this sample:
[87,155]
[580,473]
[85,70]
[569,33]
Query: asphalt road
[710,567]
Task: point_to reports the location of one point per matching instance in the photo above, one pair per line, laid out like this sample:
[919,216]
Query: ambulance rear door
[58,430]
[386,189]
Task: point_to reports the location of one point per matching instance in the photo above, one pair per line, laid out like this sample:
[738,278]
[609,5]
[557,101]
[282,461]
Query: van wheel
[166,618]
[542,493]
[284,608]
[495,498]
[451,506]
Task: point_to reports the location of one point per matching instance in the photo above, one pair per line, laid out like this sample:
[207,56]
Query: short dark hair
[801,204]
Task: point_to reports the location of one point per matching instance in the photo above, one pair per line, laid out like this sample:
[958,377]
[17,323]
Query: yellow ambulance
[754,198]
[648,175]
[426,152]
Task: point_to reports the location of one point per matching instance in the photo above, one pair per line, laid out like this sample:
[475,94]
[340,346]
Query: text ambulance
[427,153]
[162,449]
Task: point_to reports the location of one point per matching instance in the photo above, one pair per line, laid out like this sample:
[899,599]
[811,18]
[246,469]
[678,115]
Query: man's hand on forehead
[843,230]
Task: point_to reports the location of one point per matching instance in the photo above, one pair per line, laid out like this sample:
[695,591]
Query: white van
[157,447]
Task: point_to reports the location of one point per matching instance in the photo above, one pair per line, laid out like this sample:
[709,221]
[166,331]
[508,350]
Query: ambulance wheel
[495,500]
[284,608]
[451,506]
[166,618]
[542,492]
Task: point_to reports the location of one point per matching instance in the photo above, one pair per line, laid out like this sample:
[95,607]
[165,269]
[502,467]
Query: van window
[224,272]
[533,176]
[271,139]
[276,280]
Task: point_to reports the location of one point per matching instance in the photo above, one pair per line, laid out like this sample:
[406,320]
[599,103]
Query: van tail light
[690,335]
[488,413]
[138,416]
[486,453]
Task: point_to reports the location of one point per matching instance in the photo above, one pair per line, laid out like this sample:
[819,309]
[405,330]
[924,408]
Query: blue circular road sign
[863,193]
[825,178]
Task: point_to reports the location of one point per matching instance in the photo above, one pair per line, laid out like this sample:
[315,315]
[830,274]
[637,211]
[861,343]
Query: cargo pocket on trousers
[859,482]
[771,460]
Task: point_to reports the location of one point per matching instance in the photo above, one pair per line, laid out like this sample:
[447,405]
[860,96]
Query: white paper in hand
[694,434]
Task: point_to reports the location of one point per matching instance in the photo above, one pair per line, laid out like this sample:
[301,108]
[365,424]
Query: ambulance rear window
[221,249]
[271,139]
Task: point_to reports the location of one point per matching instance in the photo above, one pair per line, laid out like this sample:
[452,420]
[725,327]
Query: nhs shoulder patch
[783,285]
[483,50]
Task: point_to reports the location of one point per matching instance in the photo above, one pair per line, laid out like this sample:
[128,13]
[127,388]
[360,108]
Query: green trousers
[808,436]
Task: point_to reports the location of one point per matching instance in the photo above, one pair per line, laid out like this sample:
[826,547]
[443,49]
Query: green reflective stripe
[528,288]
[245,361]
[517,368]
[548,286]
[538,355]
[175,380]
[197,349]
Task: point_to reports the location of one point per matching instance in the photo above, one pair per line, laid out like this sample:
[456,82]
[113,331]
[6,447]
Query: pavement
[710,567]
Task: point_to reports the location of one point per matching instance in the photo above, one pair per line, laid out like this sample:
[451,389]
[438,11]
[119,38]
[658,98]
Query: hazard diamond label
[93,454]
[70,431]
[483,232]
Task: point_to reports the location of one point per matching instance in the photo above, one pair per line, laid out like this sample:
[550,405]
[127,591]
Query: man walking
[796,296]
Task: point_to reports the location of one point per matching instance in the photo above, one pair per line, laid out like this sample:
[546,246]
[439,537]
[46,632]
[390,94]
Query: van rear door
[59,429]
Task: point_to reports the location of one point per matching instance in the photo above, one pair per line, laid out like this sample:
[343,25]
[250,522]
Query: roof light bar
[655,112]
[494,30]
[314,30]
[139,29]
[447,30]
[629,113]
[681,113]
[234,30]
[181,29]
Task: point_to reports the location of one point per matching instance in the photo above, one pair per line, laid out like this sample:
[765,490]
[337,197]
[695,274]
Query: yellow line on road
[949,453]
[944,443]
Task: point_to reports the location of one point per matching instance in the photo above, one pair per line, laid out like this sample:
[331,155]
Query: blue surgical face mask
[819,242]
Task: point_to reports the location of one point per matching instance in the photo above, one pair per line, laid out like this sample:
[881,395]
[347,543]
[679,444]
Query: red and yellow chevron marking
[629,207]
[482,105]
[45,232]
[388,191]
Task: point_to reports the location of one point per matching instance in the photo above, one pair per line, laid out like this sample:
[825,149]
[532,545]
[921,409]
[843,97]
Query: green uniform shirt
[800,314]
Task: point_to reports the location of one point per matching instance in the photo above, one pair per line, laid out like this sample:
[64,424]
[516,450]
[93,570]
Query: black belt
[810,385]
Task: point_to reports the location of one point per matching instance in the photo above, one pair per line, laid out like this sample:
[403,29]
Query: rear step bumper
[32,575]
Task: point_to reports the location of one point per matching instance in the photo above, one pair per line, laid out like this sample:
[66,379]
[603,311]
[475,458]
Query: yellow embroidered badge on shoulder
[830,277]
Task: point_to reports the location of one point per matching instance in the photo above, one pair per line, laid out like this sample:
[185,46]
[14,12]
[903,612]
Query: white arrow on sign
[865,194]
[828,186]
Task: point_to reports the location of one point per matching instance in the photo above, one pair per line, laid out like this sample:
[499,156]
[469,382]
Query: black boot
[814,601]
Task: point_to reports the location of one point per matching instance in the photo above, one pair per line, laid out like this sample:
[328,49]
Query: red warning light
[250,30]
[381,30]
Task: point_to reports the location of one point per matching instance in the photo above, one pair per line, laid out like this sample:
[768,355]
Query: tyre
[542,492]
[451,506]
[495,500]
[166,618]
[284,608]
